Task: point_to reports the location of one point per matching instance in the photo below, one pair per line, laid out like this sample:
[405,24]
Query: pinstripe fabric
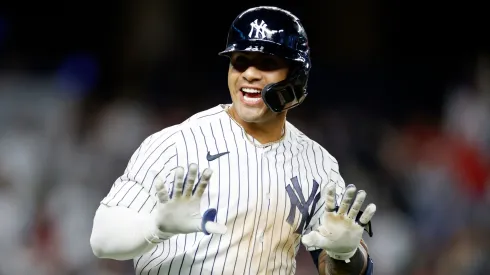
[249,188]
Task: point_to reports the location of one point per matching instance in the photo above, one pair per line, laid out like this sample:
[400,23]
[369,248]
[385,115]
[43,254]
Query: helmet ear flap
[288,93]
[278,95]
[282,96]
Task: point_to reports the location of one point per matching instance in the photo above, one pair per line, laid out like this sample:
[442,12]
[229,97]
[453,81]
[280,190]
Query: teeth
[251,100]
[251,91]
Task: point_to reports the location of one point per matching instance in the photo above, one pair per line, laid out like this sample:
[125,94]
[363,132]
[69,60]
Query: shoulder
[208,115]
[321,155]
[173,133]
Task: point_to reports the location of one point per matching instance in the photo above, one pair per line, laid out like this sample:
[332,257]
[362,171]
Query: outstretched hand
[181,214]
[340,233]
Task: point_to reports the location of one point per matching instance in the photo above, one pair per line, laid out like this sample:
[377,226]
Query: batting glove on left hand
[340,234]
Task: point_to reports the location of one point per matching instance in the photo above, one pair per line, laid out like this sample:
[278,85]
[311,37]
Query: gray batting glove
[181,214]
[340,234]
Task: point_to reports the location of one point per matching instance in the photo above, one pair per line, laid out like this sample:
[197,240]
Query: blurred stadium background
[399,93]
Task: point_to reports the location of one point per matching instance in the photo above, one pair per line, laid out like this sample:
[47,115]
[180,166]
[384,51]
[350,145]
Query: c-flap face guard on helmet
[285,95]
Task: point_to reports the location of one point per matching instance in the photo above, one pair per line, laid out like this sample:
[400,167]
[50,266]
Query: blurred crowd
[430,176]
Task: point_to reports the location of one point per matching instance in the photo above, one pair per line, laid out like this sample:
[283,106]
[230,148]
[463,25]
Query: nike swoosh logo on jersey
[213,157]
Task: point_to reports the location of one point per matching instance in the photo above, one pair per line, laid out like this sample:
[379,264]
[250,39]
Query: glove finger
[347,199]
[178,182]
[203,182]
[162,195]
[314,239]
[190,180]
[160,183]
[368,214]
[215,228]
[354,210]
[330,201]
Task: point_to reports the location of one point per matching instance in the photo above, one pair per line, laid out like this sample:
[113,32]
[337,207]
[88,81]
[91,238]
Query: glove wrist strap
[156,236]
[153,238]
[153,235]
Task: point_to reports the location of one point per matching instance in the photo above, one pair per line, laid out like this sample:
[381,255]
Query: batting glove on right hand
[181,214]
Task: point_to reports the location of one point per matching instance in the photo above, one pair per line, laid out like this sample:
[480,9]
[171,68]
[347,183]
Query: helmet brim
[261,46]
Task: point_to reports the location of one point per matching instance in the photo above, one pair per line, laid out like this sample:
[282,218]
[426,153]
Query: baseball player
[236,189]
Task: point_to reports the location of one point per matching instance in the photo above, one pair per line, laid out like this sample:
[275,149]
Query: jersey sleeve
[332,174]
[152,161]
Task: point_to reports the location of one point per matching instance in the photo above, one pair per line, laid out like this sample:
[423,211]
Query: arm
[123,227]
[138,212]
[121,233]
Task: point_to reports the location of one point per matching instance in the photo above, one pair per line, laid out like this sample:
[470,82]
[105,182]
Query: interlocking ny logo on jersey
[260,30]
[301,204]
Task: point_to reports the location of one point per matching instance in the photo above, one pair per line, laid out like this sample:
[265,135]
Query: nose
[252,74]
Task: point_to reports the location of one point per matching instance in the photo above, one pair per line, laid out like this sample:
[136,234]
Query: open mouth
[251,95]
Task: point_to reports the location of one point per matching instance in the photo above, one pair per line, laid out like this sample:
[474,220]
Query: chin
[251,115]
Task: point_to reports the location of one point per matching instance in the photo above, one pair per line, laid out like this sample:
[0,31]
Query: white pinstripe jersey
[268,196]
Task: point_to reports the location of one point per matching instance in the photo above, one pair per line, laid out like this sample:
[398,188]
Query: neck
[263,132]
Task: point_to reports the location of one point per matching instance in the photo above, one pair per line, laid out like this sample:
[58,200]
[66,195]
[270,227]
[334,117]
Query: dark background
[403,54]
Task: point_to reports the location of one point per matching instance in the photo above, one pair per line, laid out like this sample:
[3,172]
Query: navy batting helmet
[274,31]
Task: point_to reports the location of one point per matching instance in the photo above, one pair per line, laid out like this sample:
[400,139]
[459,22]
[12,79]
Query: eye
[269,64]
[240,63]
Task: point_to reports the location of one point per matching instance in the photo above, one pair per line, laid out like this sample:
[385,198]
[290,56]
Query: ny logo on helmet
[261,30]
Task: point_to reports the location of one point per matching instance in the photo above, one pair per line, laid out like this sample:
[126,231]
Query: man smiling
[264,186]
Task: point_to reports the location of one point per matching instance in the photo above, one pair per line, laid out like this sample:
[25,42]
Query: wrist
[333,266]
[364,251]
[152,233]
